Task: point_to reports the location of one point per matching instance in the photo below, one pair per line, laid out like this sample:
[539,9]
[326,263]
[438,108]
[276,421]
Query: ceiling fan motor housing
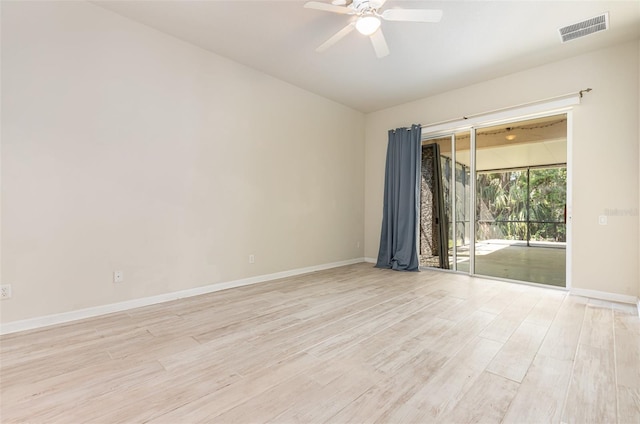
[362,6]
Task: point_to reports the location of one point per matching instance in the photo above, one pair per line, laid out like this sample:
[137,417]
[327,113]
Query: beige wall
[126,149]
[605,154]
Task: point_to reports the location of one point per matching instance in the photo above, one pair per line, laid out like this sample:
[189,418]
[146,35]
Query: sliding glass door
[445,218]
[501,206]
[462,201]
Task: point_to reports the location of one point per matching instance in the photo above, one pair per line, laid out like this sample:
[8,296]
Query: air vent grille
[581,29]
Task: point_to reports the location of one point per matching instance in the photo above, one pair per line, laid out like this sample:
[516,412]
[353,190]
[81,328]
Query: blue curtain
[401,213]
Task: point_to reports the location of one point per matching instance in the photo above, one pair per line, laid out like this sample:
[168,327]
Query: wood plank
[462,333]
[510,319]
[395,389]
[546,382]
[561,340]
[450,383]
[179,388]
[515,358]
[215,403]
[76,399]
[485,402]
[545,311]
[355,335]
[100,370]
[399,352]
[267,405]
[597,329]
[327,401]
[498,303]
[592,392]
[627,348]
[372,403]
[628,405]
[469,305]
[627,321]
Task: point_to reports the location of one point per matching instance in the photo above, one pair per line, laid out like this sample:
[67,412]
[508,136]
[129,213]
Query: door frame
[538,110]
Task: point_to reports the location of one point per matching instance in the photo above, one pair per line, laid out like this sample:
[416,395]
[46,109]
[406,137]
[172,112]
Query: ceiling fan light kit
[368,20]
[367,24]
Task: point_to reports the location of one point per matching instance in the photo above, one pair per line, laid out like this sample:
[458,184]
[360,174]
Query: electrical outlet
[118,276]
[252,259]
[5,291]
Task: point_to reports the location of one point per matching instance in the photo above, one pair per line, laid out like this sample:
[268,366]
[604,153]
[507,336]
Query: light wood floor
[348,345]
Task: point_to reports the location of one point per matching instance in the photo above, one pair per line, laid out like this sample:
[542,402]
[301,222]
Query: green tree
[505,205]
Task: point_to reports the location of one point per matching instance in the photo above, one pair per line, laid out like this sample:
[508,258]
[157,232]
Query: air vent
[580,29]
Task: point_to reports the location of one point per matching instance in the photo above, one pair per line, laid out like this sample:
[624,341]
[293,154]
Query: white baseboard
[45,321]
[638,307]
[612,297]
[370,260]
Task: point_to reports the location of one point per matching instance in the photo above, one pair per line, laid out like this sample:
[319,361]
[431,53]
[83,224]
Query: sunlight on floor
[542,263]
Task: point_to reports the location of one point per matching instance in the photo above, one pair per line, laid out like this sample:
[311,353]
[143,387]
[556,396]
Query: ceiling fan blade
[336,37]
[328,7]
[379,44]
[412,15]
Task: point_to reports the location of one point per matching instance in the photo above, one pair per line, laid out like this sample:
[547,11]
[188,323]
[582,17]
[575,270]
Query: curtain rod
[580,93]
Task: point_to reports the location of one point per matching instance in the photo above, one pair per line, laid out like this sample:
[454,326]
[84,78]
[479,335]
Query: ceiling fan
[369,18]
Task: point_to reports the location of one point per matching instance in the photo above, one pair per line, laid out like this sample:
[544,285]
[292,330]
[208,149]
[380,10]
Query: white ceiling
[536,142]
[475,41]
